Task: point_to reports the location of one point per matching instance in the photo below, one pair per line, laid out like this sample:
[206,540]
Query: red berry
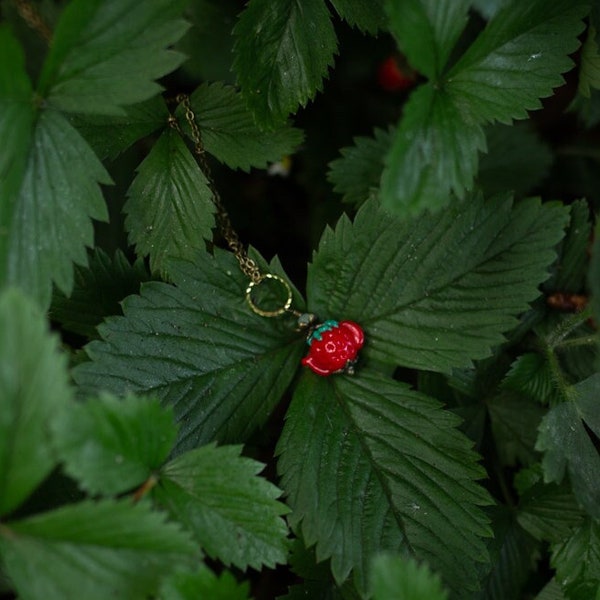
[334,347]
[393,78]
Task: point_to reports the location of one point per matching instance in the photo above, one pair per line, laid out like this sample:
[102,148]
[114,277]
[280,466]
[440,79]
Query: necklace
[333,345]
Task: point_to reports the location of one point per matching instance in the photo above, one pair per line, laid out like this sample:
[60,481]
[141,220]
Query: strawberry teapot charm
[334,347]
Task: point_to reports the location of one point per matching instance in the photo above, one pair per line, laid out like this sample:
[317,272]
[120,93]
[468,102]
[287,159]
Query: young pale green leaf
[577,562]
[112,445]
[199,348]
[427,30]
[203,583]
[49,221]
[437,291]
[589,72]
[356,174]
[512,550]
[110,135]
[106,54]
[232,512]
[367,16]
[573,253]
[434,153]
[516,160]
[369,465]
[34,389]
[229,133]
[567,446]
[531,376]
[97,293]
[169,207]
[93,550]
[517,59]
[514,420]
[282,53]
[549,512]
[401,578]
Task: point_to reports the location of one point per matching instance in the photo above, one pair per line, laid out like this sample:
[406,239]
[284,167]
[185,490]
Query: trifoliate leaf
[401,578]
[549,512]
[514,420]
[49,212]
[434,153]
[427,30]
[589,72]
[531,376]
[110,135]
[199,348]
[437,291]
[97,292]
[229,133]
[369,17]
[517,59]
[513,553]
[34,390]
[568,447]
[369,465]
[232,512]
[282,53]
[93,550]
[516,160]
[356,174]
[110,445]
[577,562]
[170,207]
[106,54]
[203,583]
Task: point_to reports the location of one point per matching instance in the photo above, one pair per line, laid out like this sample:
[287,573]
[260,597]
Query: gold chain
[33,19]
[247,265]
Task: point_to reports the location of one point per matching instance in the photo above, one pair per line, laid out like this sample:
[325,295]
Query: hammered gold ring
[269,313]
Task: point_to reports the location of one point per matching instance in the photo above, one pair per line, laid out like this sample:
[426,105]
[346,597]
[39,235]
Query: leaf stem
[585,340]
[567,326]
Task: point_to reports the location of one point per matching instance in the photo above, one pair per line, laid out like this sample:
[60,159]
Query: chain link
[32,17]
[247,265]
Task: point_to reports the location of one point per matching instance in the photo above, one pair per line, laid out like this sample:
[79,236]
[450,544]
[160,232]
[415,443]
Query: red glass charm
[334,347]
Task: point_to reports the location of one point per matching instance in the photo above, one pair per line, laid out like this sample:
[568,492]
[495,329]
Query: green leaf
[513,553]
[437,291]
[51,210]
[231,511]
[567,445]
[106,54]
[514,420]
[199,348]
[488,8]
[203,583]
[516,160]
[169,207]
[434,153]
[97,293]
[549,512]
[356,174]
[594,274]
[577,562]
[111,446]
[282,53]
[229,133]
[399,578]
[369,465]
[93,550]
[369,16]
[551,591]
[427,31]
[111,135]
[589,71]
[517,59]
[573,253]
[34,389]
